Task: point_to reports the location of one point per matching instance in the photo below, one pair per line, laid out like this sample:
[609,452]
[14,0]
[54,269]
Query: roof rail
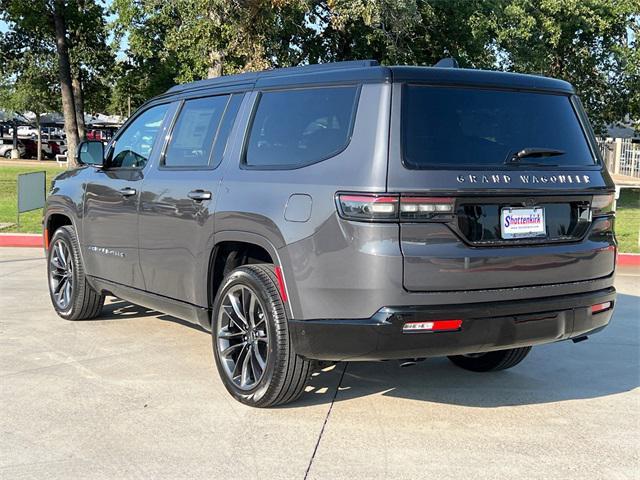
[322,66]
[251,77]
[448,62]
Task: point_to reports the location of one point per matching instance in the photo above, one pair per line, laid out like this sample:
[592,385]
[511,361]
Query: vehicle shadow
[117,309]
[607,364]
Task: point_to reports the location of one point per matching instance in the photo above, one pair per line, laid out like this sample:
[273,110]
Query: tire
[7,154]
[259,367]
[491,361]
[81,301]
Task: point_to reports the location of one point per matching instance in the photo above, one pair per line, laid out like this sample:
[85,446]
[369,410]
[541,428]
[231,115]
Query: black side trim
[170,306]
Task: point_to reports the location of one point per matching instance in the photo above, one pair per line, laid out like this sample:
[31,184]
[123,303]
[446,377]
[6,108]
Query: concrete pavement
[135,394]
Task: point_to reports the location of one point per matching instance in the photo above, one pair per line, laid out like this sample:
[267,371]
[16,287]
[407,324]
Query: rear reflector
[600,307]
[281,286]
[433,326]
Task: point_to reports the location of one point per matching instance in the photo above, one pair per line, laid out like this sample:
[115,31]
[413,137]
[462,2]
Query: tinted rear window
[473,127]
[294,128]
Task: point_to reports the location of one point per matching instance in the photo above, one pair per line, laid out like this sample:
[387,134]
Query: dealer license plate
[522,222]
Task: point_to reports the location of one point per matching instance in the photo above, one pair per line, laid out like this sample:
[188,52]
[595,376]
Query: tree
[66,82]
[73,32]
[590,43]
[188,40]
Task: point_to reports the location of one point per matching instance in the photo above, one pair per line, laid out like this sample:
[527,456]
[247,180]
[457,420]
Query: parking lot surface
[135,394]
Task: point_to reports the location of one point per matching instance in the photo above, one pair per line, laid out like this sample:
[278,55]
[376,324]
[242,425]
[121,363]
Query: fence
[621,155]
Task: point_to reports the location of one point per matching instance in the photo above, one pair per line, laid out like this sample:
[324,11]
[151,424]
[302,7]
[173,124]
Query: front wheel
[251,344]
[72,296]
[491,361]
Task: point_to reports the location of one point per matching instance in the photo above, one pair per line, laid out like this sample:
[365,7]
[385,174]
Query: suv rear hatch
[498,188]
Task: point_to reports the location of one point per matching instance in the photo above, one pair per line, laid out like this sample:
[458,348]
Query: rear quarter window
[456,126]
[294,128]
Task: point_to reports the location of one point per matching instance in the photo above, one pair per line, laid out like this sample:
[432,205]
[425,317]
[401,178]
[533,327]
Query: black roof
[370,71]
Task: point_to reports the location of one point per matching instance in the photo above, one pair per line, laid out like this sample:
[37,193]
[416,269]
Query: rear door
[478,215]
[178,198]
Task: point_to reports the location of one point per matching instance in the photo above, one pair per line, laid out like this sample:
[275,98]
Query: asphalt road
[136,395]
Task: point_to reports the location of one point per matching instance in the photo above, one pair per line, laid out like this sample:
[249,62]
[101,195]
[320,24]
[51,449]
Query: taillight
[374,207]
[368,207]
[603,204]
[424,208]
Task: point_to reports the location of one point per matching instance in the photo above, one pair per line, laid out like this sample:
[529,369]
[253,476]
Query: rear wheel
[491,361]
[251,344]
[72,296]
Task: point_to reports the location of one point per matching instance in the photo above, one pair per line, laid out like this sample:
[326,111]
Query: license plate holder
[519,222]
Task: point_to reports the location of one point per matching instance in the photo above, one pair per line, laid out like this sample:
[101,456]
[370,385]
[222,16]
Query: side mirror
[90,152]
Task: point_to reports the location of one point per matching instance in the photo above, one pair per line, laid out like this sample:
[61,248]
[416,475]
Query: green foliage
[34,88]
[30,38]
[590,43]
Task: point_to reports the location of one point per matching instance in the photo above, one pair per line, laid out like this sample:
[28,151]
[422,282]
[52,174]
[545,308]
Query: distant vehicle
[27,131]
[6,145]
[31,145]
[101,135]
[56,147]
[346,211]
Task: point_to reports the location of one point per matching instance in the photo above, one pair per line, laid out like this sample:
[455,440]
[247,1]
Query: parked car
[56,147]
[31,148]
[6,145]
[345,211]
[27,131]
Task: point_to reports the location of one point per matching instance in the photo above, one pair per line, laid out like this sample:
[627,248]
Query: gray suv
[345,211]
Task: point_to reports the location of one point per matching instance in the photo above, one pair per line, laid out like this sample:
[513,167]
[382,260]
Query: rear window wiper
[534,153]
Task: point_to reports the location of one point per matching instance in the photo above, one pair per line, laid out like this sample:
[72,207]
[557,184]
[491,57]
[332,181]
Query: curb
[21,240]
[628,260]
[35,240]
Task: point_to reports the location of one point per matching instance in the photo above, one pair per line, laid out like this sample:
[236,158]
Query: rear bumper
[485,327]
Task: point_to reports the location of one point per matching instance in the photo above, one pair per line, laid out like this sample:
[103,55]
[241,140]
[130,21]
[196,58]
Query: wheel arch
[257,244]
[55,218]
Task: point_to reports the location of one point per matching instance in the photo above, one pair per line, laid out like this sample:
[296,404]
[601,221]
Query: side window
[225,129]
[195,132]
[294,128]
[133,147]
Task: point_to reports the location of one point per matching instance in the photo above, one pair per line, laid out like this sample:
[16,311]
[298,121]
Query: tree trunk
[215,64]
[39,143]
[78,97]
[66,86]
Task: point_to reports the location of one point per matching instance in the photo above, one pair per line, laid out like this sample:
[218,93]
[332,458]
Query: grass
[30,222]
[627,221]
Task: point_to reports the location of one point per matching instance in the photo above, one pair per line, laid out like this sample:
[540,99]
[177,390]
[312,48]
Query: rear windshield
[468,126]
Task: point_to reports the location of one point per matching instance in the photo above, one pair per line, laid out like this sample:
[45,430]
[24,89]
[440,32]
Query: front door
[110,221]
[178,197]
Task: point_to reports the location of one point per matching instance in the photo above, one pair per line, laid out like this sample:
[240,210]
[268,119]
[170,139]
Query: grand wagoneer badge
[504,179]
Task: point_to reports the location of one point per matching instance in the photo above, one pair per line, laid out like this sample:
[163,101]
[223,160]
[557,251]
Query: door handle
[199,195]
[127,191]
